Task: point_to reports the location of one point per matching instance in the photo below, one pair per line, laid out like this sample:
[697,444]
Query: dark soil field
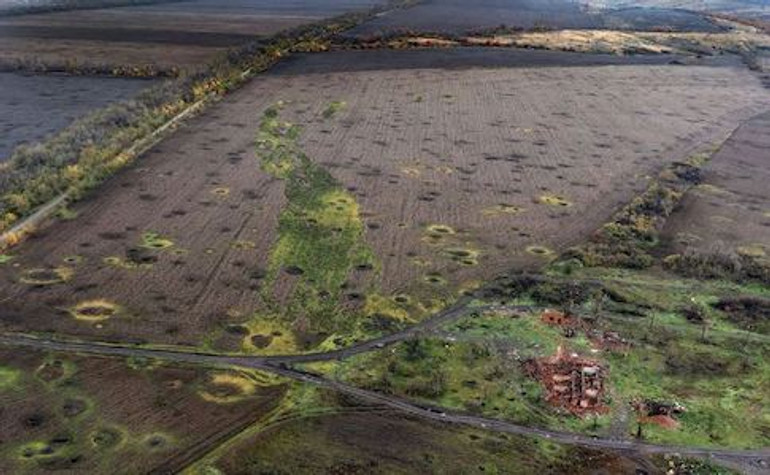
[95,415]
[184,34]
[457,17]
[730,212]
[355,442]
[35,106]
[456,175]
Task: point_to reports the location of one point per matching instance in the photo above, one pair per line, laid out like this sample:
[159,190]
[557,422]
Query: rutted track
[280,365]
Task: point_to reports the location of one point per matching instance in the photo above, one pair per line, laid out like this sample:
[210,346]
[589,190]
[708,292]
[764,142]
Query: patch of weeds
[554,200]
[626,241]
[221,191]
[434,278]
[9,377]
[46,276]
[107,438]
[94,310]
[243,244]
[320,232]
[333,108]
[228,387]
[66,214]
[502,209]
[466,257]
[436,233]
[140,363]
[5,259]
[540,251]
[395,308]
[153,240]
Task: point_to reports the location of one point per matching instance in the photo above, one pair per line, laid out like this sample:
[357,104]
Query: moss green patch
[153,240]
[333,108]
[5,258]
[107,438]
[66,214]
[320,233]
[9,377]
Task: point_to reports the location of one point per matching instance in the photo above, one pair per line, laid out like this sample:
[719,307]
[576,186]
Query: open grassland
[660,339]
[95,415]
[343,436]
[434,179]
[169,36]
[35,106]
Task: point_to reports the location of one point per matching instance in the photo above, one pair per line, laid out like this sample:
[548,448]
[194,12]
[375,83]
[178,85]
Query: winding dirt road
[756,461]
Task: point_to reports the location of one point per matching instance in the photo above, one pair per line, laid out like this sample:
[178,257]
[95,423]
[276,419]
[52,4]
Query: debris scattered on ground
[572,382]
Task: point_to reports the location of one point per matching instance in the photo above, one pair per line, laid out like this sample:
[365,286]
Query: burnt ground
[354,441]
[459,17]
[730,211]
[184,34]
[91,414]
[35,106]
[482,151]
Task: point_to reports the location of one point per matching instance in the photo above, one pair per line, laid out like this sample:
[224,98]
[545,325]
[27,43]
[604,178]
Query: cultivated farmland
[729,213]
[166,36]
[89,414]
[453,16]
[379,243]
[35,106]
[455,174]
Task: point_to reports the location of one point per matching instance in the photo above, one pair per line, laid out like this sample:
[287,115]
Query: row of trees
[91,149]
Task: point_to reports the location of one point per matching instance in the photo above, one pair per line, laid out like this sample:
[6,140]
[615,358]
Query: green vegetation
[8,377]
[333,108]
[627,240]
[320,234]
[661,338]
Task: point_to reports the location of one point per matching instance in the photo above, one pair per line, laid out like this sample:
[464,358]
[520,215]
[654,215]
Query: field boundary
[36,220]
[83,155]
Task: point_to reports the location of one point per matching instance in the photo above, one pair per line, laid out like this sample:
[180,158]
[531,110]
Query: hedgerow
[91,149]
[626,240]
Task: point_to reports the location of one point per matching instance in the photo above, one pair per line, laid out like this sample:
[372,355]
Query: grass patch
[153,240]
[333,108]
[95,310]
[320,233]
